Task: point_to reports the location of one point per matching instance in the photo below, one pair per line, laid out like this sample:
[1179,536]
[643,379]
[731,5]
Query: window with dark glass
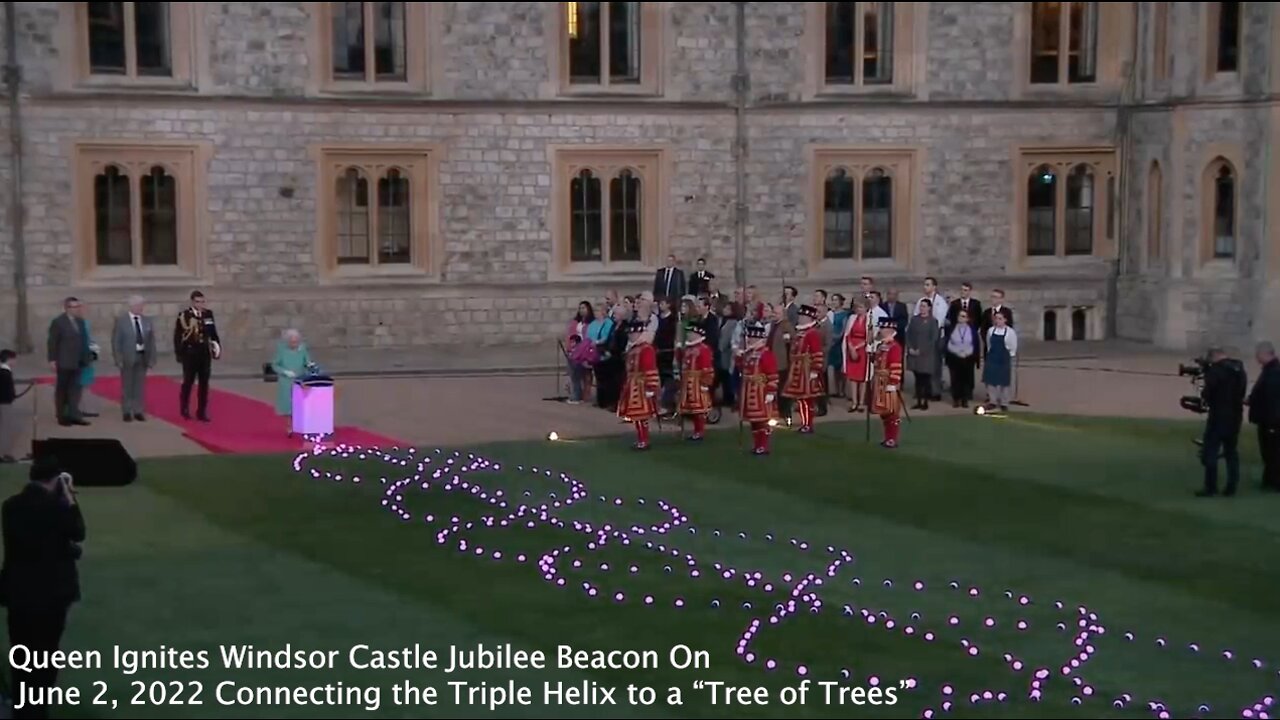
[604,42]
[131,39]
[1064,42]
[1228,55]
[1042,204]
[159,205]
[838,220]
[393,218]
[586,233]
[1079,217]
[624,224]
[877,215]
[368,41]
[857,215]
[1224,214]
[353,217]
[859,43]
[113,227]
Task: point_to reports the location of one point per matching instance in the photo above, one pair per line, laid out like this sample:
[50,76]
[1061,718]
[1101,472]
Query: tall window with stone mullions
[604,43]
[368,41]
[857,215]
[129,39]
[859,43]
[590,234]
[373,227]
[1064,42]
[135,210]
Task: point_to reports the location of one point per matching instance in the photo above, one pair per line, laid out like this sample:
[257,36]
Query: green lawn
[204,552]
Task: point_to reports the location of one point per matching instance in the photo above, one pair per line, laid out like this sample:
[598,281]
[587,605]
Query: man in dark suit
[42,529]
[997,306]
[669,281]
[1264,412]
[197,345]
[898,312]
[967,304]
[700,283]
[69,354]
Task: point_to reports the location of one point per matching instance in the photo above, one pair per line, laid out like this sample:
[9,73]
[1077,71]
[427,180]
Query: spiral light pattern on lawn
[779,597]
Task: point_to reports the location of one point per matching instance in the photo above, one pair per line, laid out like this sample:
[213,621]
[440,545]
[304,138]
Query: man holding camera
[1225,384]
[42,529]
[1264,412]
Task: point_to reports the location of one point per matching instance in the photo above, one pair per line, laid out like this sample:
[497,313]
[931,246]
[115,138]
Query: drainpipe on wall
[740,86]
[17,220]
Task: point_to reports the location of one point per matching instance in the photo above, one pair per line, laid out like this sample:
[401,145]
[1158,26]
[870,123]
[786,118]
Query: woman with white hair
[290,363]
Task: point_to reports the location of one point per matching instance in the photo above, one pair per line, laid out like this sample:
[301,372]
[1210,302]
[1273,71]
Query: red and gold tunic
[888,374]
[697,373]
[808,366]
[638,392]
[759,381]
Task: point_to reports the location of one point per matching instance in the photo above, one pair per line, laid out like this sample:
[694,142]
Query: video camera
[1196,370]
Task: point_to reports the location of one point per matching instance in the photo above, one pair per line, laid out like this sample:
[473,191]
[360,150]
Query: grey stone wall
[494,182]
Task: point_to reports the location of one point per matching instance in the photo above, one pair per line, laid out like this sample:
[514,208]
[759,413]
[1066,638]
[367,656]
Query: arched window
[624,221]
[394,215]
[1155,213]
[1050,325]
[1079,217]
[586,218]
[353,217]
[159,194]
[113,229]
[838,210]
[1224,211]
[877,215]
[1042,215]
[1079,324]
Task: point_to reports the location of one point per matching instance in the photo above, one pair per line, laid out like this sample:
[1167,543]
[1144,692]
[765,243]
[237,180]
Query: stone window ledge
[380,276]
[128,277]
[1218,269]
[630,274]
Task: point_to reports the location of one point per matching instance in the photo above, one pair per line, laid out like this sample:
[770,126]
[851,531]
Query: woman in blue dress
[835,353]
[291,361]
[997,371]
[88,374]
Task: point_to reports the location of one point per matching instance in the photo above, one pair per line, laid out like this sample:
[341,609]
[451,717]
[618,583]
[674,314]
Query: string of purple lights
[788,595]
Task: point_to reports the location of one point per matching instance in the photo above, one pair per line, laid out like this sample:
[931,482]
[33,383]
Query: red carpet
[241,425]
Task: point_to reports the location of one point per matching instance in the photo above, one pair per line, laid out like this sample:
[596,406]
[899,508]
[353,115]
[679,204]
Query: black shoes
[139,417]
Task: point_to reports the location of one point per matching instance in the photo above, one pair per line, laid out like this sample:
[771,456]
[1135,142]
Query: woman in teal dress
[835,353]
[291,362]
[88,374]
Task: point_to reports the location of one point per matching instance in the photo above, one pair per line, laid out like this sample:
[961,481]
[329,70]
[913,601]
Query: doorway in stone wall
[1050,332]
[1079,324]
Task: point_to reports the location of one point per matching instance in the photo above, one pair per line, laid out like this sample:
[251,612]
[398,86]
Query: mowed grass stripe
[159,575]
[776,495]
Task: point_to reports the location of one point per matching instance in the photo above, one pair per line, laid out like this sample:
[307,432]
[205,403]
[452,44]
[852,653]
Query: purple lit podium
[313,406]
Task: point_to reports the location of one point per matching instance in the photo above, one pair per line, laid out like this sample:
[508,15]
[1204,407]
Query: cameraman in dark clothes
[42,529]
[1264,412]
[1225,385]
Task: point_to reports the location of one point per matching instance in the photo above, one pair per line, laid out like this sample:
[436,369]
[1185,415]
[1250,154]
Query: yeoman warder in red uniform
[637,404]
[808,369]
[886,399]
[758,404]
[697,372]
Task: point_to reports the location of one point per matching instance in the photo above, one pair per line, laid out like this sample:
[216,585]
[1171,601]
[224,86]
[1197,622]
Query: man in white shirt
[133,347]
[939,305]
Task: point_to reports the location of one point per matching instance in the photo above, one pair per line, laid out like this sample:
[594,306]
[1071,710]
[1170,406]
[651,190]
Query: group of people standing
[819,351]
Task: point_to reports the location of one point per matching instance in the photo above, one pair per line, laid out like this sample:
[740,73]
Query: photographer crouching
[1225,385]
[42,529]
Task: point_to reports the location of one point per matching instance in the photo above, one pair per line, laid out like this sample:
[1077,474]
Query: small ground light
[980,410]
[773,422]
[553,436]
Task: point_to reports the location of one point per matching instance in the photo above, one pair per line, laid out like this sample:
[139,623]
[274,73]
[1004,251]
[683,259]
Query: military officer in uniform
[196,344]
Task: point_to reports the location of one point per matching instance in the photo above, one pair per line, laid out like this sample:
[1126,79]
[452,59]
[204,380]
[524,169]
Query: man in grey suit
[133,347]
[69,353]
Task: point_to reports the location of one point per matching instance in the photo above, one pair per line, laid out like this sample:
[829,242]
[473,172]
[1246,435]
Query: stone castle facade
[400,174]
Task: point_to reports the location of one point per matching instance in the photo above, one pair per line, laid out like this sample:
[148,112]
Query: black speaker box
[91,461]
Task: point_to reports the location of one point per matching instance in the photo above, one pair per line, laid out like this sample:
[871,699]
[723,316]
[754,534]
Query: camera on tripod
[1196,370]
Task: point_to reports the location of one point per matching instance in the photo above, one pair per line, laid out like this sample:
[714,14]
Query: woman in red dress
[856,335]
